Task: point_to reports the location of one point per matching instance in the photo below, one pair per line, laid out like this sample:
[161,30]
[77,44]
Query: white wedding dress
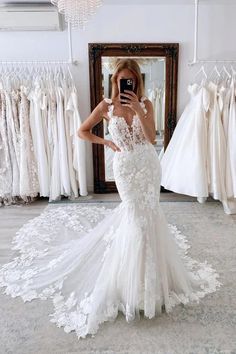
[184,162]
[93,262]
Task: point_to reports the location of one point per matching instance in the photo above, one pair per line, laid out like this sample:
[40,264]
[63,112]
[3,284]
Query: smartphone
[126,84]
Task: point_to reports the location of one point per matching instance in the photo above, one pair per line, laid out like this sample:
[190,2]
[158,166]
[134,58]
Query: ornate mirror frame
[98,50]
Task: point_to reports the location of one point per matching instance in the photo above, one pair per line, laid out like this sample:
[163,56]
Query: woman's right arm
[95,117]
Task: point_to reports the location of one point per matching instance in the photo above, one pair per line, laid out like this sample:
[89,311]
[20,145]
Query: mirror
[153,74]
[158,63]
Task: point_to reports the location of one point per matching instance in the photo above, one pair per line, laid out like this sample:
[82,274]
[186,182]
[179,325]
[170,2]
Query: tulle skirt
[94,261]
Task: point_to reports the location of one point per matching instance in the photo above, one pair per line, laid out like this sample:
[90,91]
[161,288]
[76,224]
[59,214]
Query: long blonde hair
[133,66]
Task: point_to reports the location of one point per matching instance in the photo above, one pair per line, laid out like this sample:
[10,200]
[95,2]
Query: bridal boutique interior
[53,73]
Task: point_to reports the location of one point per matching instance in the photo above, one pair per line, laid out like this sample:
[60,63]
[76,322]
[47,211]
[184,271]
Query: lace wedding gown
[93,262]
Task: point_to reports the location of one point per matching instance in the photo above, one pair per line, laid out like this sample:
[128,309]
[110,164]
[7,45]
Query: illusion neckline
[129,126]
[114,116]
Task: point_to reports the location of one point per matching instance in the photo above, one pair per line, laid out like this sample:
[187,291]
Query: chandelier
[77,12]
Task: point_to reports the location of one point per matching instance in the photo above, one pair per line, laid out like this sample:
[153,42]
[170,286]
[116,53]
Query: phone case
[125,84]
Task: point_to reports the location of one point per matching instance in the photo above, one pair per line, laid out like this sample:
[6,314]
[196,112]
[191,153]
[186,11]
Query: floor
[208,327]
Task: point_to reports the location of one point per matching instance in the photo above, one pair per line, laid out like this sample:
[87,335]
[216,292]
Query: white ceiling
[24,1]
[168,2]
[138,2]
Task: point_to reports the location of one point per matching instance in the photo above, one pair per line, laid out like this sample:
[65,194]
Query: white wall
[133,23]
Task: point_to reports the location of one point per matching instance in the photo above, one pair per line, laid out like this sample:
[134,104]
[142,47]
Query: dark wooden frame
[96,51]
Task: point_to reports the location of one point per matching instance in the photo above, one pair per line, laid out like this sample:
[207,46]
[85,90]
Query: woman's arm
[146,119]
[95,117]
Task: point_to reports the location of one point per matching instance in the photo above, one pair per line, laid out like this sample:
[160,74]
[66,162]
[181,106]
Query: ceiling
[24,1]
[168,2]
[137,2]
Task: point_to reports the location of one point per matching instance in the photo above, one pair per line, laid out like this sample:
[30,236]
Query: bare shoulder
[102,106]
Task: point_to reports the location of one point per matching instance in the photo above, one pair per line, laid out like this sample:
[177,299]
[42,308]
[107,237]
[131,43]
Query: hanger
[226,71]
[215,70]
[225,75]
[202,70]
[232,70]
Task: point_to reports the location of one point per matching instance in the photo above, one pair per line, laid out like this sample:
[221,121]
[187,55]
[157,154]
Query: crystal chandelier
[77,12]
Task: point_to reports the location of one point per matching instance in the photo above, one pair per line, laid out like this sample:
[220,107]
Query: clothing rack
[48,62]
[195,51]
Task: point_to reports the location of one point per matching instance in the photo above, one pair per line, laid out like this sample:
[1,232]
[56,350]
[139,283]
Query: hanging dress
[63,158]
[35,96]
[69,129]
[55,178]
[13,146]
[231,145]
[79,147]
[29,186]
[184,162]
[216,153]
[5,158]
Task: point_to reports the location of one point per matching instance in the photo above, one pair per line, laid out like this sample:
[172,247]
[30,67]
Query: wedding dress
[93,261]
[231,145]
[216,147]
[184,163]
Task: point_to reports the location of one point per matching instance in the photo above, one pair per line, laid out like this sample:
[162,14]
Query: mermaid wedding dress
[93,261]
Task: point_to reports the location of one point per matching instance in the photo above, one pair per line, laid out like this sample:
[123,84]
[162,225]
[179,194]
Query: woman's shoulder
[105,106]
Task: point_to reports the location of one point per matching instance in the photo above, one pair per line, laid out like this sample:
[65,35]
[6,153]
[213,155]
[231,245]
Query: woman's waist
[141,153]
[134,147]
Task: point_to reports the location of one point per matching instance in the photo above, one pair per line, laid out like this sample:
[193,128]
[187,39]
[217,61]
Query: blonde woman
[93,261]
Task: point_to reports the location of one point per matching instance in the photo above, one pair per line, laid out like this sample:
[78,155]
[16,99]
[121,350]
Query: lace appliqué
[124,136]
[78,311]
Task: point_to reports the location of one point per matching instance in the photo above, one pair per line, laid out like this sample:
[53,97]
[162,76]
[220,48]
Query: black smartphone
[126,84]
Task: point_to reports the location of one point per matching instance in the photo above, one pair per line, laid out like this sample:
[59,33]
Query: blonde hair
[133,66]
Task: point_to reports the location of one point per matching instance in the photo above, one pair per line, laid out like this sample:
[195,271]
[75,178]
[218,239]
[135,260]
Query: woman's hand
[132,102]
[111,145]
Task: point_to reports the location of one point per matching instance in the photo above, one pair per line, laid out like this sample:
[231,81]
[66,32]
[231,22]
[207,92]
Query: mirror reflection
[153,71]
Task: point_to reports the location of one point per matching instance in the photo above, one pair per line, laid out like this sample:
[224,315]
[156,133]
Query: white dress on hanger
[184,162]
[55,178]
[5,159]
[29,186]
[63,158]
[69,140]
[94,262]
[35,96]
[13,146]
[231,145]
[224,101]
[79,147]
[216,146]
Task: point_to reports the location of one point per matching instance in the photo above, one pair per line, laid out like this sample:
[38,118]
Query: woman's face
[125,74]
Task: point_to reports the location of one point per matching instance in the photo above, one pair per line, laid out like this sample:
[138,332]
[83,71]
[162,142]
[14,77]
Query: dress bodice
[125,136]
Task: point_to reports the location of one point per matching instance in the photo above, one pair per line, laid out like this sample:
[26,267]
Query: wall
[133,23]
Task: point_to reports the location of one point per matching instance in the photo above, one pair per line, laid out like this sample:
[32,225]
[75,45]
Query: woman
[94,262]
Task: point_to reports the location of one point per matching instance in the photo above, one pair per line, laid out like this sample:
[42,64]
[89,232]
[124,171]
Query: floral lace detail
[130,169]
[29,185]
[44,228]
[124,136]
[18,177]
[84,311]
